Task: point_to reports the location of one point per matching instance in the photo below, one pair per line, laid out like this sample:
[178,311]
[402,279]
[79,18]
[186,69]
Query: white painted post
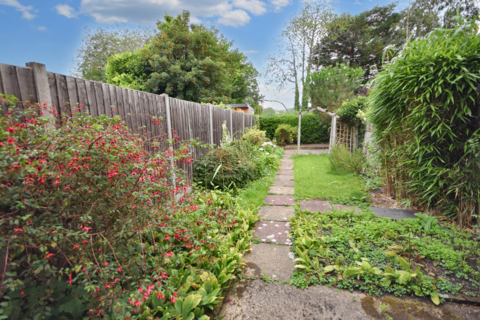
[231,124]
[43,89]
[333,133]
[299,133]
[170,138]
[211,122]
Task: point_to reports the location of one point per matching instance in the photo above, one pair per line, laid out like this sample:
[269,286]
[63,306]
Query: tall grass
[341,160]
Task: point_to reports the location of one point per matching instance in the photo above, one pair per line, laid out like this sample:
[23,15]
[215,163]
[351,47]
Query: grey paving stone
[315,206]
[258,300]
[284,177]
[287,183]
[276,262]
[286,167]
[345,207]
[281,190]
[279,213]
[280,200]
[399,214]
[272,232]
[286,172]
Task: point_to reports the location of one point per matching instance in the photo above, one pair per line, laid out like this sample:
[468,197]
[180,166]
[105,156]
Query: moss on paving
[315,180]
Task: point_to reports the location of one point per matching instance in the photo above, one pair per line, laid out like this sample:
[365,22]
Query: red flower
[50,255]
[18,230]
[169,254]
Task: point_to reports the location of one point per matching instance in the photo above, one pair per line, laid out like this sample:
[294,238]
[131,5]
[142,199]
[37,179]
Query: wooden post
[170,138]
[299,133]
[333,133]
[43,89]
[243,122]
[211,122]
[231,124]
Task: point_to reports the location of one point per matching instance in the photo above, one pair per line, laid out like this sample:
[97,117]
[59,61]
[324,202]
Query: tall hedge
[425,111]
[313,130]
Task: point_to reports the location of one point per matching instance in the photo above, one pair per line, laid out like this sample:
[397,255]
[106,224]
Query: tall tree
[189,62]
[99,44]
[297,44]
[297,98]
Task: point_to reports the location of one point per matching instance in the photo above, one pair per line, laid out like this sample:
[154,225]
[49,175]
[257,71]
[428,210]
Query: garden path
[271,260]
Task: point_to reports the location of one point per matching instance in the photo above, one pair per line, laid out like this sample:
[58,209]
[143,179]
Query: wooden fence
[188,119]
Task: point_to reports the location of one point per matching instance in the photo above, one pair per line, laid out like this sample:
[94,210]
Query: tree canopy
[189,62]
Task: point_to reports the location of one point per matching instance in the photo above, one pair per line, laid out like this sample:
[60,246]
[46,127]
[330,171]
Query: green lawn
[257,190]
[315,180]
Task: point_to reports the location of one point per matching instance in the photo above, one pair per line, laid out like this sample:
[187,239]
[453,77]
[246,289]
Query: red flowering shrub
[90,227]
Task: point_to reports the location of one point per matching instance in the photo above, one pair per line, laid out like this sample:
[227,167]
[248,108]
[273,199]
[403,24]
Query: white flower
[261,149]
[274,146]
[268,153]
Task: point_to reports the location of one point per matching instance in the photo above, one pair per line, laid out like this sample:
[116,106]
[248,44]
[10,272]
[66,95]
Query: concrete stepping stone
[279,213]
[281,190]
[284,177]
[287,183]
[315,206]
[272,232]
[287,172]
[399,214]
[286,161]
[342,207]
[258,300]
[286,167]
[280,200]
[276,262]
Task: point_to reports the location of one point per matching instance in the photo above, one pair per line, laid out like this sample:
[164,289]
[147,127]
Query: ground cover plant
[314,179]
[378,255]
[90,227]
[425,108]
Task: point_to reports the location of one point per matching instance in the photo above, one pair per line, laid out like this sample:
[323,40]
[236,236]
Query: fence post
[243,122]
[299,133]
[231,124]
[333,134]
[211,122]
[170,138]
[42,88]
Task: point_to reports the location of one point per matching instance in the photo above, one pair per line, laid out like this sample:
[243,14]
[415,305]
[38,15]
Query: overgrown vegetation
[285,134]
[90,226]
[425,108]
[342,161]
[315,180]
[378,255]
[313,129]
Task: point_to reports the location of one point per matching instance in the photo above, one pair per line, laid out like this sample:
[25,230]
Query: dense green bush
[313,130]
[285,133]
[254,136]
[341,160]
[425,109]
[349,110]
[234,165]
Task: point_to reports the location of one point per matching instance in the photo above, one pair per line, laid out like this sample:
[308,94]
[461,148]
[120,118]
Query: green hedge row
[313,129]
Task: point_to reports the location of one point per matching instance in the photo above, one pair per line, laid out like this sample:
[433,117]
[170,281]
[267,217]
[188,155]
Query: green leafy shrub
[313,130]
[349,110]
[254,136]
[425,108]
[341,160]
[285,134]
[89,225]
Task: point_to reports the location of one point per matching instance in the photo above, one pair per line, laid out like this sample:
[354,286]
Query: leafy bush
[233,166]
[90,228]
[425,109]
[349,110]
[254,135]
[285,133]
[313,130]
[341,160]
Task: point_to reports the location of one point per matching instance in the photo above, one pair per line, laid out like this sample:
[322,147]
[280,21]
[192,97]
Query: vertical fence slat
[82,96]
[26,85]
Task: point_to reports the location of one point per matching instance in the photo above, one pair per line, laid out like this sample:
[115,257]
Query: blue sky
[50,31]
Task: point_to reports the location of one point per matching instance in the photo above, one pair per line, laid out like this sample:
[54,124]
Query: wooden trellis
[340,133]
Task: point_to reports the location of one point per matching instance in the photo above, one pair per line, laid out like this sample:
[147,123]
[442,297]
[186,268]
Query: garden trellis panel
[188,119]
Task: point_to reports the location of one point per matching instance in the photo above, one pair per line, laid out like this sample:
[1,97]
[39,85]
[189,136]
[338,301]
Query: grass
[315,180]
[257,190]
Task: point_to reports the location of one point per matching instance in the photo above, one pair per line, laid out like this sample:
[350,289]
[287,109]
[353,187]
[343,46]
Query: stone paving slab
[272,232]
[280,213]
[399,214]
[258,300]
[286,161]
[280,200]
[345,207]
[287,172]
[289,183]
[281,190]
[276,262]
[286,167]
[315,206]
[284,177]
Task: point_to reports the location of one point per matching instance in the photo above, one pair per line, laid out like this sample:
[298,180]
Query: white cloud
[250,51]
[234,18]
[279,4]
[357,2]
[25,10]
[256,7]
[195,20]
[65,10]
[41,28]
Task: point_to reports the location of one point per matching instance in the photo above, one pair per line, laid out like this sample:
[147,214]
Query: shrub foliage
[425,109]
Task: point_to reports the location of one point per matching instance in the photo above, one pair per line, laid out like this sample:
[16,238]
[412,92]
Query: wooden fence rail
[187,119]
